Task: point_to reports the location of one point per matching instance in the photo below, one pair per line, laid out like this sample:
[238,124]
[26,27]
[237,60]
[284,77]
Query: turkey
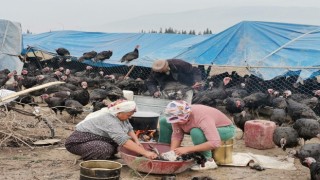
[98,95]
[74,108]
[257,100]
[4,77]
[103,55]
[86,72]
[97,105]
[131,55]
[87,56]
[212,97]
[62,52]
[279,116]
[240,119]
[234,105]
[298,110]
[82,96]
[285,137]
[307,128]
[55,103]
[314,167]
[307,150]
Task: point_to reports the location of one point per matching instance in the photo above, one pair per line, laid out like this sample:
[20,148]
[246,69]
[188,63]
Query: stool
[223,154]
[258,134]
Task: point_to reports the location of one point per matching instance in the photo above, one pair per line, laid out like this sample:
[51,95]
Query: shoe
[210,164]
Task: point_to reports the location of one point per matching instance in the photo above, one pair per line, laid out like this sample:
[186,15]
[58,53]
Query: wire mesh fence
[212,75]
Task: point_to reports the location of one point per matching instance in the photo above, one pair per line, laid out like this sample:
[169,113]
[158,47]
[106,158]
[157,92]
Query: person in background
[207,127]
[172,70]
[100,133]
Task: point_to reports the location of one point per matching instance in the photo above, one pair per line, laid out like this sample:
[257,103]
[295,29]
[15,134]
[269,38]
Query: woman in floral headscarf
[100,133]
[207,126]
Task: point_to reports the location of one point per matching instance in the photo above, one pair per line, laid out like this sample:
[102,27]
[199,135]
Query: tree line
[170,30]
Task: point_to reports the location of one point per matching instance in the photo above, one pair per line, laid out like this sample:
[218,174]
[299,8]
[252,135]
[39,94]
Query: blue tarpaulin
[266,48]
[261,44]
[152,46]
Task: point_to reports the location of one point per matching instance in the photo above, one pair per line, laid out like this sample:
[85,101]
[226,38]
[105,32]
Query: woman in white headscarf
[100,133]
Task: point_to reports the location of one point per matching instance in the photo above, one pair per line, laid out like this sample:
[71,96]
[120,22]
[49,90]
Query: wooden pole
[129,71]
[30,90]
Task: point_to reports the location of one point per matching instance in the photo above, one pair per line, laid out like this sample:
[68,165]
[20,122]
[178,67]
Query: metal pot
[144,120]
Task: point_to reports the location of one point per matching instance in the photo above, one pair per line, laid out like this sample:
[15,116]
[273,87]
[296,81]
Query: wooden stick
[129,71]
[17,138]
[30,90]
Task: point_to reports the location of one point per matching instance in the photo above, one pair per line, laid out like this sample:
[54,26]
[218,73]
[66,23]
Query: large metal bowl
[142,164]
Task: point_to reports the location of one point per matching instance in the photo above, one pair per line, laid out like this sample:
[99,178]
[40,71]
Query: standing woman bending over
[100,133]
[207,126]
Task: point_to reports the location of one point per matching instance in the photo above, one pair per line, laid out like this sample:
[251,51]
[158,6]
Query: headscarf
[113,108]
[122,105]
[177,111]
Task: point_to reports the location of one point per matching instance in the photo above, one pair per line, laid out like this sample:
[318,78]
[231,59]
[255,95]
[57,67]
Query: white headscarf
[122,106]
[114,108]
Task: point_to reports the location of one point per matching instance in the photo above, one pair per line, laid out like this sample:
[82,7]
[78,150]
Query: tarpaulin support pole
[36,58]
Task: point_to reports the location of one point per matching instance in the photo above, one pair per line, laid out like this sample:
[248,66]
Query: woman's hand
[150,155]
[181,150]
[197,85]
[139,144]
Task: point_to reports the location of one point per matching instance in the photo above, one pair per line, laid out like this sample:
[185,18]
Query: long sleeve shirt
[180,71]
[207,119]
[103,123]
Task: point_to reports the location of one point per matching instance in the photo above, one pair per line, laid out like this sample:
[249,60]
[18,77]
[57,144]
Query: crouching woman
[207,127]
[100,133]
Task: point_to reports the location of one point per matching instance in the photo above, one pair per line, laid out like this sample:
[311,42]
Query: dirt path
[53,162]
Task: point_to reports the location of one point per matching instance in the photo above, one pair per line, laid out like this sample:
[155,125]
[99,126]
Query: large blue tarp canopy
[261,44]
[152,46]
[268,49]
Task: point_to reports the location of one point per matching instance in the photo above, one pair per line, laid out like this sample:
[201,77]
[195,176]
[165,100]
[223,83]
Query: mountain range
[215,19]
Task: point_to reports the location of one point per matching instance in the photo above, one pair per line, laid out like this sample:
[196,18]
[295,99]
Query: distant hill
[216,19]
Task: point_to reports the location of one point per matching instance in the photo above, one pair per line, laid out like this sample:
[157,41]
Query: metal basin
[142,164]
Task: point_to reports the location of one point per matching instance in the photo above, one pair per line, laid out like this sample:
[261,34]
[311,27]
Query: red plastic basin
[142,164]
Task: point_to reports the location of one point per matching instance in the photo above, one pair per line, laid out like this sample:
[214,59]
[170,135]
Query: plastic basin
[142,164]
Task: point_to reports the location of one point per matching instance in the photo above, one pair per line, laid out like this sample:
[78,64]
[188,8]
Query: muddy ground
[53,162]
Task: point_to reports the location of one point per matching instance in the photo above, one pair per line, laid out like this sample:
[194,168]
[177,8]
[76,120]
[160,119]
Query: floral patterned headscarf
[177,111]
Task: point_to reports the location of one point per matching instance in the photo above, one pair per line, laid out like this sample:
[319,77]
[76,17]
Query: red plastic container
[258,134]
[141,164]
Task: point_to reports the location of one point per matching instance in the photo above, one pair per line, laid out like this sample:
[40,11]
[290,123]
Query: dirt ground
[53,162]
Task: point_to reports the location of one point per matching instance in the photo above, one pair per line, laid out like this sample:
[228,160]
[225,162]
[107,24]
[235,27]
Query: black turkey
[314,167]
[279,116]
[298,110]
[87,56]
[307,128]
[131,55]
[98,95]
[234,105]
[307,150]
[82,96]
[55,103]
[240,119]
[212,97]
[257,100]
[74,108]
[103,55]
[285,137]
[62,52]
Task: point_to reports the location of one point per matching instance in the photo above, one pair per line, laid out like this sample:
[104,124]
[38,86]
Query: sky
[40,16]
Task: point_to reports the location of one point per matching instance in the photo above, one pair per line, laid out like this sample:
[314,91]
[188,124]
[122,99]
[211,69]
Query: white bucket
[128,95]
